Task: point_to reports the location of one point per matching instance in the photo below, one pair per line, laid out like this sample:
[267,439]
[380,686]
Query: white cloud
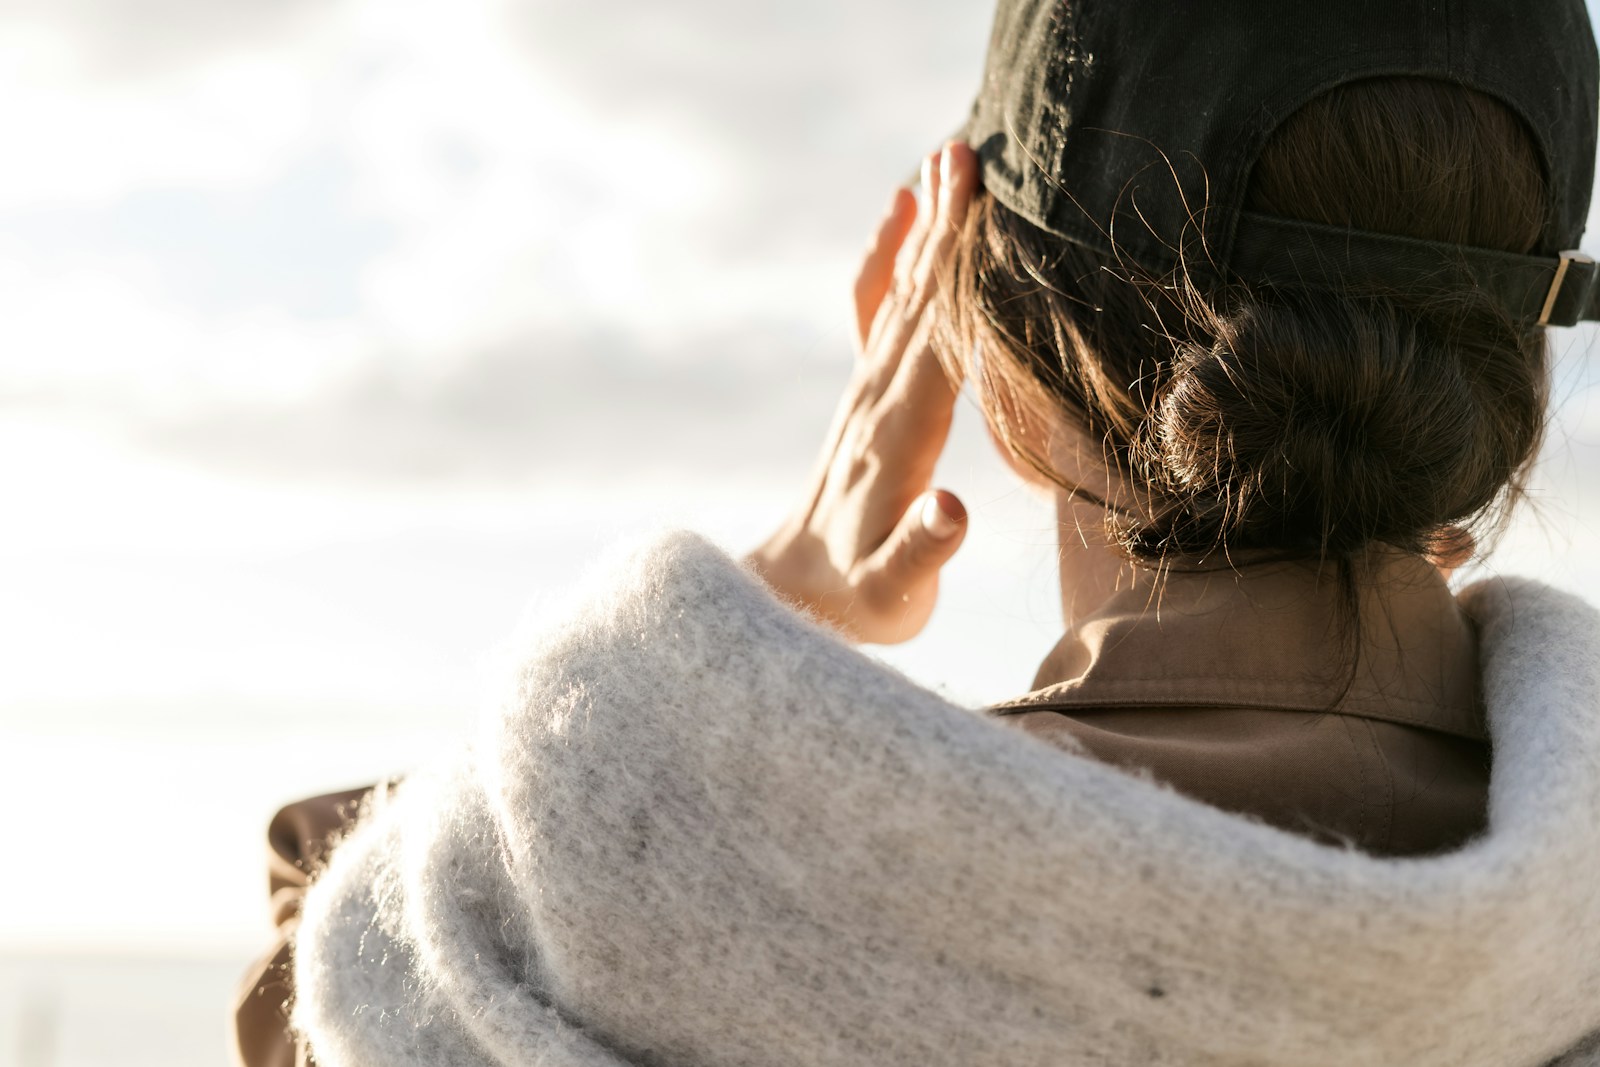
[101,330]
[516,197]
[78,139]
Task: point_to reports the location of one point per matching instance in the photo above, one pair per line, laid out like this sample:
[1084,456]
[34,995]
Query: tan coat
[1236,690]
[297,839]
[1229,689]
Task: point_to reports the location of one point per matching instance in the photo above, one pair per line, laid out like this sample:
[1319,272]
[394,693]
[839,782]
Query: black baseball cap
[1131,127]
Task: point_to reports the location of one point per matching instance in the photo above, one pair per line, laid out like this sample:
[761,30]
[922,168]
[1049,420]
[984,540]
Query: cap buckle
[1569,257]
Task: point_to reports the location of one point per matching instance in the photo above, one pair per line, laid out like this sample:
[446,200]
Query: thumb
[927,535]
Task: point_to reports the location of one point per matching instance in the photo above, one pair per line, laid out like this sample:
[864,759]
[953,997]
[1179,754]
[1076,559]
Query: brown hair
[1301,422]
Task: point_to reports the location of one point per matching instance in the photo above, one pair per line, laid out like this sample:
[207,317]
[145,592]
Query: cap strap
[1580,270]
[1535,290]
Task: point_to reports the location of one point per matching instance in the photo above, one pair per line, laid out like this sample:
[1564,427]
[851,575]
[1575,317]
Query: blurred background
[334,334]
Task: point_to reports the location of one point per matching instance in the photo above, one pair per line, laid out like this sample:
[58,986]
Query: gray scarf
[702,831]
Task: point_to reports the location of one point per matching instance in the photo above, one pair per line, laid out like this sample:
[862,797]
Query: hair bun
[1322,422]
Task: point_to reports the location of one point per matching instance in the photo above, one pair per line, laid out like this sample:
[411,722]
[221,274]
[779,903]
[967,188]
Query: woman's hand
[864,549]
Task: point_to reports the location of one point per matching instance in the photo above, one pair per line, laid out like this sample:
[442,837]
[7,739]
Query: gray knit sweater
[702,831]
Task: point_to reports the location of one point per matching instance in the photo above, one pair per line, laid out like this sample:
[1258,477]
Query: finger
[897,314]
[958,172]
[958,180]
[923,394]
[927,204]
[877,267]
[929,533]
[954,180]
[902,316]
[916,409]
[890,330]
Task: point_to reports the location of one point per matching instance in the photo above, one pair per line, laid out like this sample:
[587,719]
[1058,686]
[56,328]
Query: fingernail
[936,522]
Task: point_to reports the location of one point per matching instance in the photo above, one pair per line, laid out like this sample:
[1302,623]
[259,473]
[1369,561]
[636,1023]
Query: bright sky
[331,333]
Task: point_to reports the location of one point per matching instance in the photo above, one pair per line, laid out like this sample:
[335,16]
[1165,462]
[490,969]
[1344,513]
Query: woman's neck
[1092,569]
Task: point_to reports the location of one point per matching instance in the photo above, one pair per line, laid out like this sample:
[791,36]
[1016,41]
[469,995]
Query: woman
[1263,298]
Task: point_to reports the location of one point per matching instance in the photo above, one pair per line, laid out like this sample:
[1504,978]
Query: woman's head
[1300,421]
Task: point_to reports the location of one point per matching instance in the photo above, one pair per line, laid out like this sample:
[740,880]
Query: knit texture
[701,830]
